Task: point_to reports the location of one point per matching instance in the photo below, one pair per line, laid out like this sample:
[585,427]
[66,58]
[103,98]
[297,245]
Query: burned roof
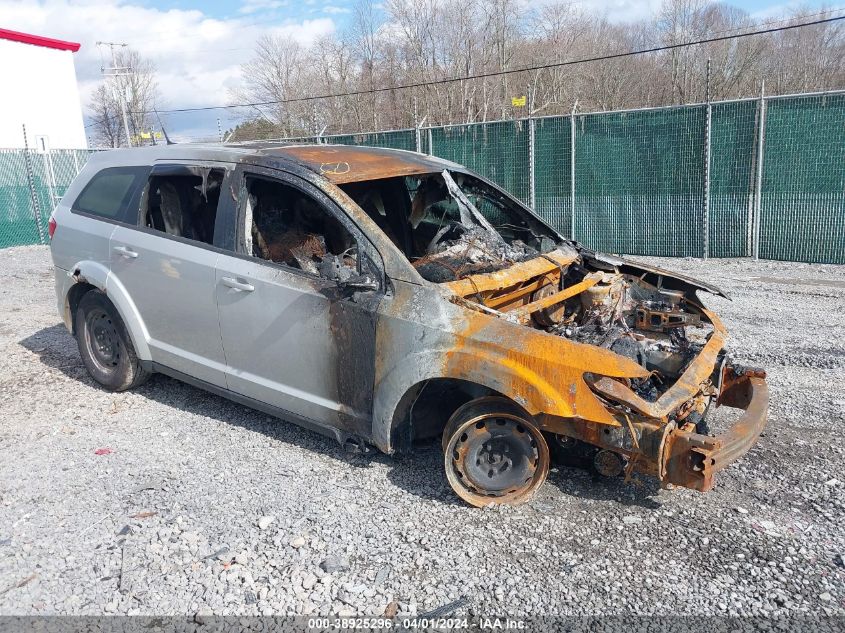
[348,163]
[338,163]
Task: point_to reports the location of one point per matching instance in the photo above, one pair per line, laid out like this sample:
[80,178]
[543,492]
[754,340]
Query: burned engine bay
[659,327]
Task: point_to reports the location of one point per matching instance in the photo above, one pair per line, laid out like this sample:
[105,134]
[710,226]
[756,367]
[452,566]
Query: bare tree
[277,74]
[432,44]
[137,87]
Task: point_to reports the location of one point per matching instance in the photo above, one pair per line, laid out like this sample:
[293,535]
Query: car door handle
[237,284]
[125,252]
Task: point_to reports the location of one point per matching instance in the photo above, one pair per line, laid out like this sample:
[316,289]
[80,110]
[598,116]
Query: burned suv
[381,297]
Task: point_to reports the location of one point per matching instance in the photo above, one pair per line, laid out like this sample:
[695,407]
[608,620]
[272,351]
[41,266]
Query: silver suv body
[382,296]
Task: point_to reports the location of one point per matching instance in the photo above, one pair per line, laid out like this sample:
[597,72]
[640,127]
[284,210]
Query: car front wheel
[104,344]
[494,454]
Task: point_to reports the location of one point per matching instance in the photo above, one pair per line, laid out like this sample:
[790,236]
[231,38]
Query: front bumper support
[691,460]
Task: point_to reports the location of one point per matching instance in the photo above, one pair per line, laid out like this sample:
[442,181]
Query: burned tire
[104,344]
[493,453]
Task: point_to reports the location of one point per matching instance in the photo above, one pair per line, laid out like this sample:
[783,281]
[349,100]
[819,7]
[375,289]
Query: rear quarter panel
[79,238]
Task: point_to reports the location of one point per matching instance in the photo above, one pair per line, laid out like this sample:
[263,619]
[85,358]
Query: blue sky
[297,9]
[221,9]
[199,46]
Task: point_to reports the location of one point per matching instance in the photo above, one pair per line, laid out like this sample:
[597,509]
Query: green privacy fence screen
[639,185]
[733,161]
[496,150]
[396,139]
[754,177]
[31,184]
[802,208]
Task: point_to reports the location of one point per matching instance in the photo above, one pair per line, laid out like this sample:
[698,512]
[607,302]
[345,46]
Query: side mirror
[360,283]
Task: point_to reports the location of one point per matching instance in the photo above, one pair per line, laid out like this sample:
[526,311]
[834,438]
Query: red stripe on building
[37,40]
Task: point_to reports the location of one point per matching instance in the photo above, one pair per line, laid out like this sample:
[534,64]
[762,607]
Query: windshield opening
[451,224]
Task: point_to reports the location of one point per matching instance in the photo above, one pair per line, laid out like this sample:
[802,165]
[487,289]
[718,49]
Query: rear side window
[111,192]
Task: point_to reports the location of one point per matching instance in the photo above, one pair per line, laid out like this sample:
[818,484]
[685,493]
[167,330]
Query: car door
[166,264]
[297,339]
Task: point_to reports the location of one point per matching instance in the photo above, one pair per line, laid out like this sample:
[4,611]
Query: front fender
[568,397]
[101,278]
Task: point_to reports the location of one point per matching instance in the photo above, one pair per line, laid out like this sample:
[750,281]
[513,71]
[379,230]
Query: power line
[803,16]
[423,84]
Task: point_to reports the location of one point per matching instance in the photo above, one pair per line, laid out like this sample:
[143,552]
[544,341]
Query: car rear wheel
[493,453]
[104,344]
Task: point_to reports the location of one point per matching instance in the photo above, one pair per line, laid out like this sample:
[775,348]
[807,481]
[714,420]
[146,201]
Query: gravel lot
[204,506]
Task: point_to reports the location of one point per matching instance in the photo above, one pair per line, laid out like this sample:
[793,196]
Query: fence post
[707,155]
[418,135]
[572,171]
[31,181]
[758,205]
[430,143]
[532,174]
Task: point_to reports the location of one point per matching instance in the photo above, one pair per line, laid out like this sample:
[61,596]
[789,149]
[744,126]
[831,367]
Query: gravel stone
[334,564]
[264,522]
[72,540]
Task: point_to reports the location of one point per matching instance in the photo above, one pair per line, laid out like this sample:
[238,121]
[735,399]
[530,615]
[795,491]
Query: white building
[38,88]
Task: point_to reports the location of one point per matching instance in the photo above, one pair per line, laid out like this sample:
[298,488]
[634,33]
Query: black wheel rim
[102,340]
[495,456]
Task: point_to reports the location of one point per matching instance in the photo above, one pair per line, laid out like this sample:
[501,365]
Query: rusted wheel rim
[496,458]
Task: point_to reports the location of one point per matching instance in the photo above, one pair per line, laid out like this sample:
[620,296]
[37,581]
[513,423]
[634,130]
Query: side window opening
[287,226]
[387,202]
[185,205]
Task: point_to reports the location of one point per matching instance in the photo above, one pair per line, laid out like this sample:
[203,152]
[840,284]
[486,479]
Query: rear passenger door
[166,264]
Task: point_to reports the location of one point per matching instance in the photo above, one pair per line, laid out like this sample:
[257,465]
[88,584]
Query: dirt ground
[202,506]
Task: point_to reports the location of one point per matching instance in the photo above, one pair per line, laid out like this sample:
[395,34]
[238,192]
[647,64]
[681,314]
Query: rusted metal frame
[691,460]
[687,386]
[523,313]
[680,456]
[512,295]
[512,275]
[739,439]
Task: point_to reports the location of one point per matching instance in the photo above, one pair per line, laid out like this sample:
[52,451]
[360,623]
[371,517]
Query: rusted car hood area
[644,314]
[654,324]
[670,279]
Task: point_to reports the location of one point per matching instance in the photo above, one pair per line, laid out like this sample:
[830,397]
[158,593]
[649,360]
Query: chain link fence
[753,177]
[31,184]
[802,205]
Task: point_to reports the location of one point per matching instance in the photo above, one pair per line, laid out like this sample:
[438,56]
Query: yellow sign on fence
[518,102]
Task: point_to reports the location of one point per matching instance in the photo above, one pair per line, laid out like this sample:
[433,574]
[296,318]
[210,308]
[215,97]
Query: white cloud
[333,9]
[252,6]
[198,58]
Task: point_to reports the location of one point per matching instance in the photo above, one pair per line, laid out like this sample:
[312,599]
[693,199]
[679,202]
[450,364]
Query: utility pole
[118,71]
